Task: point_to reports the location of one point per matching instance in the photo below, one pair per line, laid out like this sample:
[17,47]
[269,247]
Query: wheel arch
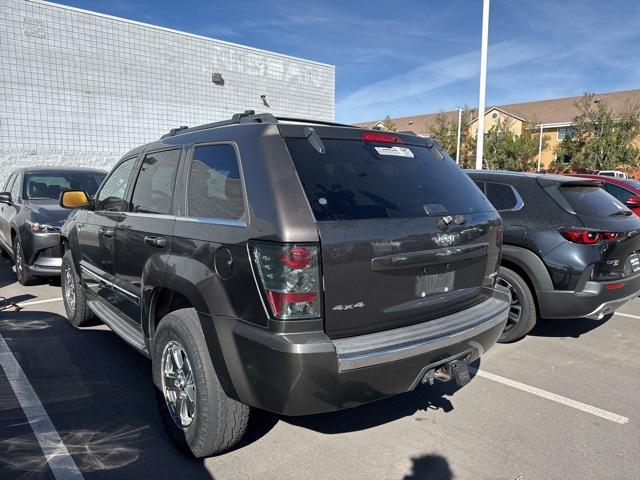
[530,267]
[176,293]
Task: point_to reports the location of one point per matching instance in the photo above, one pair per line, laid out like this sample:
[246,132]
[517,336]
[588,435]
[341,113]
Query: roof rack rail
[250,116]
[317,122]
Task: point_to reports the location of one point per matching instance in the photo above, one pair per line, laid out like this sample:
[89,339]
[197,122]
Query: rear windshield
[49,185]
[591,201]
[357,180]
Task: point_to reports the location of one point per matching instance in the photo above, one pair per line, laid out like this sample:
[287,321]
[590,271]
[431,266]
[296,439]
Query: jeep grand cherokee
[287,265]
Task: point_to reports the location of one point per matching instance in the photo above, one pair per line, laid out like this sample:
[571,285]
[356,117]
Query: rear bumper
[595,301]
[305,373]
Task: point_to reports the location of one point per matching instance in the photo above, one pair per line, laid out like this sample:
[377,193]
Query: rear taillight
[587,237]
[289,276]
[380,137]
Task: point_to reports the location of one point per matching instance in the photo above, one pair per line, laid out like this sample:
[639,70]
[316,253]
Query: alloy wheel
[69,289]
[178,384]
[515,310]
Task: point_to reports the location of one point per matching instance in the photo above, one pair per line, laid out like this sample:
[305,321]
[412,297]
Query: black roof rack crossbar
[250,116]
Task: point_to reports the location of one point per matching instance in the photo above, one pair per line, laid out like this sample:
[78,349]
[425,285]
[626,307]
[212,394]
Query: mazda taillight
[587,237]
[289,276]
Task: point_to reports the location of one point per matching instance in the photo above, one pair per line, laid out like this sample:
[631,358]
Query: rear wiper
[625,213]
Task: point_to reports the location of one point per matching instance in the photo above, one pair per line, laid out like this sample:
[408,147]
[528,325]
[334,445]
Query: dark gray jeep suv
[287,265]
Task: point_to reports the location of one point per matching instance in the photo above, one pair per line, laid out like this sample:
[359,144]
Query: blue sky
[411,57]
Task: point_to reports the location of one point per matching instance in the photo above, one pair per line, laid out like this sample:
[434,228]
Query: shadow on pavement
[423,398]
[431,467]
[567,327]
[100,397]
[7,277]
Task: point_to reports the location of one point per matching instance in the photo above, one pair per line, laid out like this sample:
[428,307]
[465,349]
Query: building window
[566,132]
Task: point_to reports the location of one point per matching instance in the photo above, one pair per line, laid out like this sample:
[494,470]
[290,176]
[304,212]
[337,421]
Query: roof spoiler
[551,180]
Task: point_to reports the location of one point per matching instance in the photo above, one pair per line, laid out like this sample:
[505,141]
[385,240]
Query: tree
[388,125]
[603,138]
[505,150]
[445,131]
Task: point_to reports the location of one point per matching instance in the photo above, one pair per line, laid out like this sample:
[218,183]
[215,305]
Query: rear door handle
[159,242]
[107,232]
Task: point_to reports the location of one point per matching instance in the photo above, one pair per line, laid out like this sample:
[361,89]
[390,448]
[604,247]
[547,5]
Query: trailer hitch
[456,370]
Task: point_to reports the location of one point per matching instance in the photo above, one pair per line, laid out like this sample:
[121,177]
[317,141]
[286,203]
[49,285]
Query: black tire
[522,314]
[22,269]
[78,313]
[218,422]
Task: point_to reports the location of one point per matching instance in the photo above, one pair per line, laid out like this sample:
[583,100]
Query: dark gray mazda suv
[30,217]
[570,249]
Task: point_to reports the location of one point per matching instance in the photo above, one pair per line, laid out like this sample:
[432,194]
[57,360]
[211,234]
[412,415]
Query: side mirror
[5,197]
[633,201]
[75,199]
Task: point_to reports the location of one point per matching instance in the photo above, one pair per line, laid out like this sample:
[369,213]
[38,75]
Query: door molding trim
[134,298]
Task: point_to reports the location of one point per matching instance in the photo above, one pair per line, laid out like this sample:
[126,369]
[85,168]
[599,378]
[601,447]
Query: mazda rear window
[591,201]
[361,180]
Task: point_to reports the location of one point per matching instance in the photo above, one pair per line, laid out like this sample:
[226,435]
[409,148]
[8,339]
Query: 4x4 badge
[459,219]
[349,307]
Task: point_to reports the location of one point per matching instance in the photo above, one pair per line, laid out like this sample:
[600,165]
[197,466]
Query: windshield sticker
[395,151]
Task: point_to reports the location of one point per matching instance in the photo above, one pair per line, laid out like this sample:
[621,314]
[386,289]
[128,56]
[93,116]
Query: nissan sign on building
[81,88]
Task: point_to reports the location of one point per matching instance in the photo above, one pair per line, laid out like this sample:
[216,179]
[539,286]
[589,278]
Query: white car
[613,173]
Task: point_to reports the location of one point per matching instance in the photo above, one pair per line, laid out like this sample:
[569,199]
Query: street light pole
[458,142]
[540,147]
[483,83]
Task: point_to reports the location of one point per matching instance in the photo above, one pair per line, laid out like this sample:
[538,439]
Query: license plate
[634,260]
[435,283]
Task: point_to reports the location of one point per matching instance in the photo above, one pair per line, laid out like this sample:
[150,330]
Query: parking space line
[627,315]
[598,412]
[56,454]
[38,302]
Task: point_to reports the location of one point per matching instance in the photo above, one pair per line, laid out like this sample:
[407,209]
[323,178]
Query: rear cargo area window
[215,189]
[357,180]
[591,201]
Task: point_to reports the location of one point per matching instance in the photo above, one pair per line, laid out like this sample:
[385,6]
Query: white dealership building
[81,88]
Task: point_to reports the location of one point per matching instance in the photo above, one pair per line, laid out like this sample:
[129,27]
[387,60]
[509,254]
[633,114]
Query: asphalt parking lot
[560,404]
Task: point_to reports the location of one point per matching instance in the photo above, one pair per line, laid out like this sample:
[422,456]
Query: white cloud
[384,95]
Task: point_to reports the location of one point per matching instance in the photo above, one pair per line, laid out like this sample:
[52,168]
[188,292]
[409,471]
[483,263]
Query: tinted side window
[618,192]
[111,195]
[215,189]
[156,181]
[501,196]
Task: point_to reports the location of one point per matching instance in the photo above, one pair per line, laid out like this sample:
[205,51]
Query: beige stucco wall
[548,154]
[515,124]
